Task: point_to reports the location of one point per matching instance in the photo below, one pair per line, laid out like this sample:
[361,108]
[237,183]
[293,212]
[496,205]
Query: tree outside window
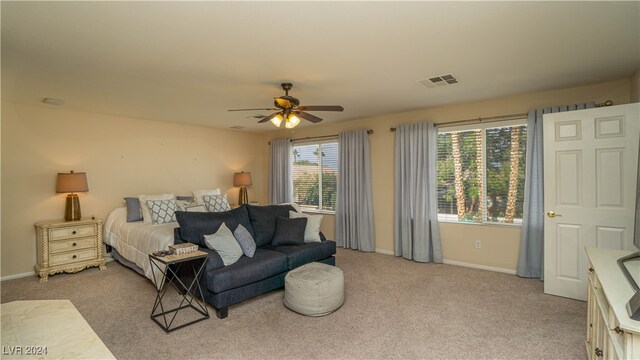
[315,175]
[481,174]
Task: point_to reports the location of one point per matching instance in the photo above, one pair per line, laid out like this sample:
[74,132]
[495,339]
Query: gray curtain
[531,257]
[354,207]
[416,229]
[280,172]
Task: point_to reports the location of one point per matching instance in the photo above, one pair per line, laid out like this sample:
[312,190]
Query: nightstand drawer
[71,257]
[72,232]
[71,244]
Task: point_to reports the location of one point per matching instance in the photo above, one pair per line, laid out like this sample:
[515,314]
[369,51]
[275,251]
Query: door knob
[551,214]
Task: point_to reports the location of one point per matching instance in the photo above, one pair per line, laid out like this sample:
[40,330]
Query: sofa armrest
[322,237]
[214,261]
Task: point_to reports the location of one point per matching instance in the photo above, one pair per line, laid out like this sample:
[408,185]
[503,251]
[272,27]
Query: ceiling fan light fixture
[292,121]
[277,120]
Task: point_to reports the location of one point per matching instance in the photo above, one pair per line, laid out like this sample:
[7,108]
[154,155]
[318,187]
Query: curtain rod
[322,137]
[497,118]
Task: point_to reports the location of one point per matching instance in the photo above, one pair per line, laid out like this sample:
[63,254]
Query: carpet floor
[394,309]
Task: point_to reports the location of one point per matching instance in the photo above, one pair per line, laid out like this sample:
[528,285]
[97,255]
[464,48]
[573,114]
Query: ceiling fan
[289,109]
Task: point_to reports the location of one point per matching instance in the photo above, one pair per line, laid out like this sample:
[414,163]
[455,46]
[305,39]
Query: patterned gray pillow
[162,211]
[216,203]
[245,240]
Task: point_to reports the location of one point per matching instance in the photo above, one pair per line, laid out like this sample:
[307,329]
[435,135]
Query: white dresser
[611,333]
[68,246]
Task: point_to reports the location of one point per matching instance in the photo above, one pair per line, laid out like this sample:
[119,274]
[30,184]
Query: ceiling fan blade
[314,119]
[283,103]
[268,118]
[269,109]
[321,108]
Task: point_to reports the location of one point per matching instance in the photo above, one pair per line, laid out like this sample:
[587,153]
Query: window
[481,173]
[315,175]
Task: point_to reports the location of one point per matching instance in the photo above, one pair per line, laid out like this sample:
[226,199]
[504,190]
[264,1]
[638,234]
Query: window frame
[449,218]
[302,142]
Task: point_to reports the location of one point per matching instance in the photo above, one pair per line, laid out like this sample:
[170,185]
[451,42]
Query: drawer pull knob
[74,244]
[618,330]
[74,232]
[590,270]
[598,352]
[75,256]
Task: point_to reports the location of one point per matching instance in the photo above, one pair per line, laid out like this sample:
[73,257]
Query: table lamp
[71,183]
[242,179]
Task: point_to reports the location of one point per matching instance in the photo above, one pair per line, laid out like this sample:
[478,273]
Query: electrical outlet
[478,244]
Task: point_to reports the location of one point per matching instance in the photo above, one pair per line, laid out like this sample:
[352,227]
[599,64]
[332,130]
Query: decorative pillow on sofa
[162,211]
[312,231]
[198,194]
[225,244]
[195,225]
[146,214]
[263,221]
[289,231]
[216,203]
[134,213]
[245,240]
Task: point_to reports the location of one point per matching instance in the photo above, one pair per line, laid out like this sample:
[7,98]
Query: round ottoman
[314,289]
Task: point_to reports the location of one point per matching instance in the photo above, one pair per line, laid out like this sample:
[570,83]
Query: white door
[590,164]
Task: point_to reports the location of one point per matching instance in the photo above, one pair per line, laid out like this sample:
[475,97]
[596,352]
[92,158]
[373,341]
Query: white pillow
[146,214]
[162,211]
[216,203]
[312,231]
[198,194]
[225,244]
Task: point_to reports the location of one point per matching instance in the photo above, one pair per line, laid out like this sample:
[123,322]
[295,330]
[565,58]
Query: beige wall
[635,87]
[499,243]
[122,156]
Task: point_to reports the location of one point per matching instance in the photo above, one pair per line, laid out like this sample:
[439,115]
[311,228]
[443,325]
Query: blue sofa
[249,276]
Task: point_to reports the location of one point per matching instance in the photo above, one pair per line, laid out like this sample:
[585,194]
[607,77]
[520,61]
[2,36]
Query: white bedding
[136,240]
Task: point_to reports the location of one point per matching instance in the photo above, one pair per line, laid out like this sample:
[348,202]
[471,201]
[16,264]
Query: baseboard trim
[17,276]
[386,252]
[478,266]
[107,258]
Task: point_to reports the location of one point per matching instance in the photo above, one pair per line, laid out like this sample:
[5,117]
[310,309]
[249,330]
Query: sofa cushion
[289,231]
[195,225]
[225,244]
[245,240]
[263,221]
[312,231]
[246,270]
[298,255]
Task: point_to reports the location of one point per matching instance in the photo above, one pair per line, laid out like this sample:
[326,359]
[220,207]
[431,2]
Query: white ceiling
[191,61]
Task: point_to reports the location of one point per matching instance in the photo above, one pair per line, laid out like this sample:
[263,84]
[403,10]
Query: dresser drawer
[71,244]
[72,232]
[72,256]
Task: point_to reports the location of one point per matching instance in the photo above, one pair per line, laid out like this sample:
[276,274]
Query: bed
[132,242]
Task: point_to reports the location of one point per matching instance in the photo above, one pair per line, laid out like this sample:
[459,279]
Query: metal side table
[192,296]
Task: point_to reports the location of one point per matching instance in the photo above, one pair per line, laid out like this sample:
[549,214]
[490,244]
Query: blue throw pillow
[245,240]
[134,213]
[195,225]
[263,221]
[289,231]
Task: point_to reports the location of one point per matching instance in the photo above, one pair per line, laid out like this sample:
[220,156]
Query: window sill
[480,224]
[316,211]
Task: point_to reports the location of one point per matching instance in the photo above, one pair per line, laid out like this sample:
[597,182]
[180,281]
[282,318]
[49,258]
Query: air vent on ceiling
[440,80]
[51,101]
[237,127]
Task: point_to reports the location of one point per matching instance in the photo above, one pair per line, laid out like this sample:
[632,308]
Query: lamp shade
[242,179]
[72,182]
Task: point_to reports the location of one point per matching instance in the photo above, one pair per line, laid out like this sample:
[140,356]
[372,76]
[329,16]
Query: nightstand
[68,246]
